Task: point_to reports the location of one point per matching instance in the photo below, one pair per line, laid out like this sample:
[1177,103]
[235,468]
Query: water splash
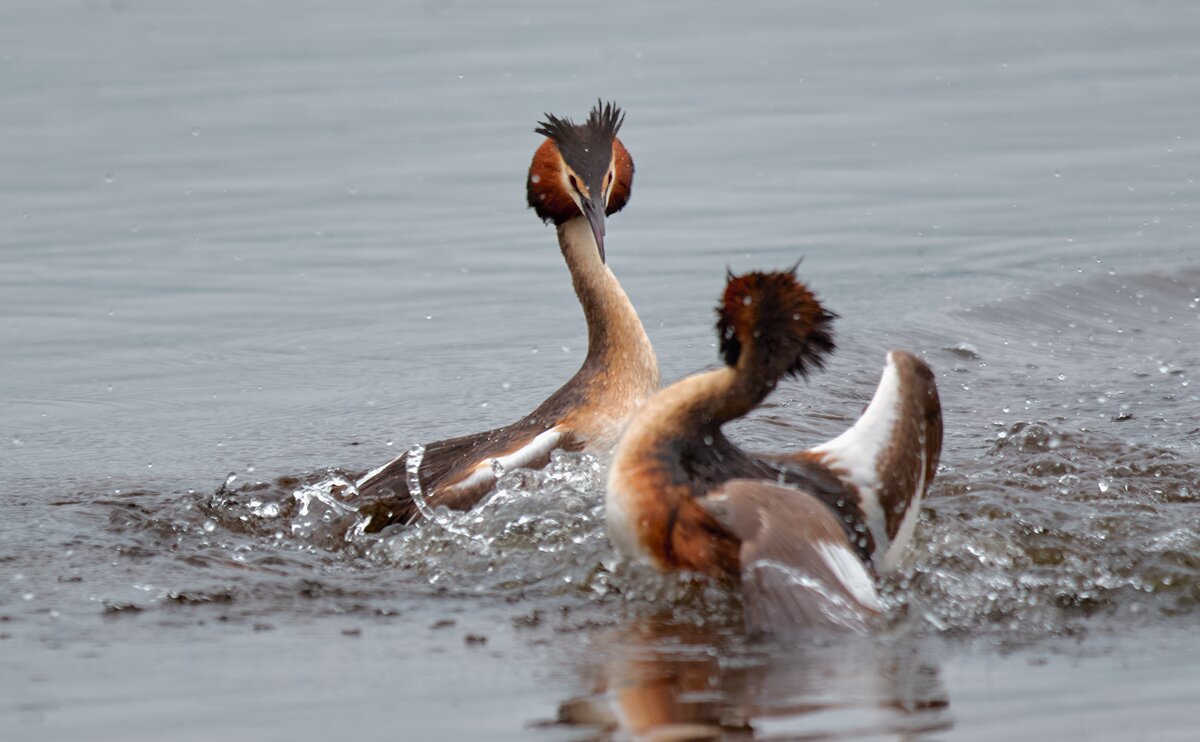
[1057,502]
[1019,541]
[440,517]
[556,511]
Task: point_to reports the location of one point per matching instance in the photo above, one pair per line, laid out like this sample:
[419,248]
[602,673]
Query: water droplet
[413,466]
[195,131]
[109,178]
[1103,486]
[535,179]
[17,441]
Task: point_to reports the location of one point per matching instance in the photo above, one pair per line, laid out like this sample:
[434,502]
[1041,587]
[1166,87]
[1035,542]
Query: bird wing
[455,473]
[890,454]
[798,567]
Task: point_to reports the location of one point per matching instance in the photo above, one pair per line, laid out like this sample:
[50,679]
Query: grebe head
[581,169]
[771,324]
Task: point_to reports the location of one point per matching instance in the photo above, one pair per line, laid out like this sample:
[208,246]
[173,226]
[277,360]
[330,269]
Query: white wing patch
[536,449]
[850,572]
[858,449]
[798,600]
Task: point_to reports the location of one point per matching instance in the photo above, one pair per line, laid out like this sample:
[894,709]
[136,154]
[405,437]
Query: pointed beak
[593,209]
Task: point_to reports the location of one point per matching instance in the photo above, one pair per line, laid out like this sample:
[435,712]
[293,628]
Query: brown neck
[617,342]
[757,373]
[701,404]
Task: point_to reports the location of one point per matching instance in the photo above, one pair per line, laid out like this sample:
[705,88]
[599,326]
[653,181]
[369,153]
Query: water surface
[289,240]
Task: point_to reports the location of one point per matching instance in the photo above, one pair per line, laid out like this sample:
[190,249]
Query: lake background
[277,239]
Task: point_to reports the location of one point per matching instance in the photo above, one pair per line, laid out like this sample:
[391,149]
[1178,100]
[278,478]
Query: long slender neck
[617,341]
[700,404]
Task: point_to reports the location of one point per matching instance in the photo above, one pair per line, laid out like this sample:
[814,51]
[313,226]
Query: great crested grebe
[805,533]
[579,174]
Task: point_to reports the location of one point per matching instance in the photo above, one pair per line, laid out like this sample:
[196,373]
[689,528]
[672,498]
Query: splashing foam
[1029,543]
[1019,541]
[1079,505]
[540,534]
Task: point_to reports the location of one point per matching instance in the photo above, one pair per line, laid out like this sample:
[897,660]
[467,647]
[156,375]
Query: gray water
[288,240]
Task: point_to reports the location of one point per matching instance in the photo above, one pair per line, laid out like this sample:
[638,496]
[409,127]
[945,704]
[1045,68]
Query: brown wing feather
[918,431]
[904,466]
[807,472]
[788,579]
[386,498]
[711,464]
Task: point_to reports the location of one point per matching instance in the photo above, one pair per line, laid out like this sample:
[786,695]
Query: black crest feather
[586,147]
[779,319]
[603,122]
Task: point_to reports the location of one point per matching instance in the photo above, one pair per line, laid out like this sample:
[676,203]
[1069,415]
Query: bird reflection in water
[656,681]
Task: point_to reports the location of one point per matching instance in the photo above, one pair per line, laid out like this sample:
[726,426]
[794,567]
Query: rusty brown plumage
[620,370]
[778,319]
[797,529]
[622,186]
[581,160]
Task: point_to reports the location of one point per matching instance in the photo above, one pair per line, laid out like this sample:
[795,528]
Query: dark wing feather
[387,500]
[712,464]
[904,460]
